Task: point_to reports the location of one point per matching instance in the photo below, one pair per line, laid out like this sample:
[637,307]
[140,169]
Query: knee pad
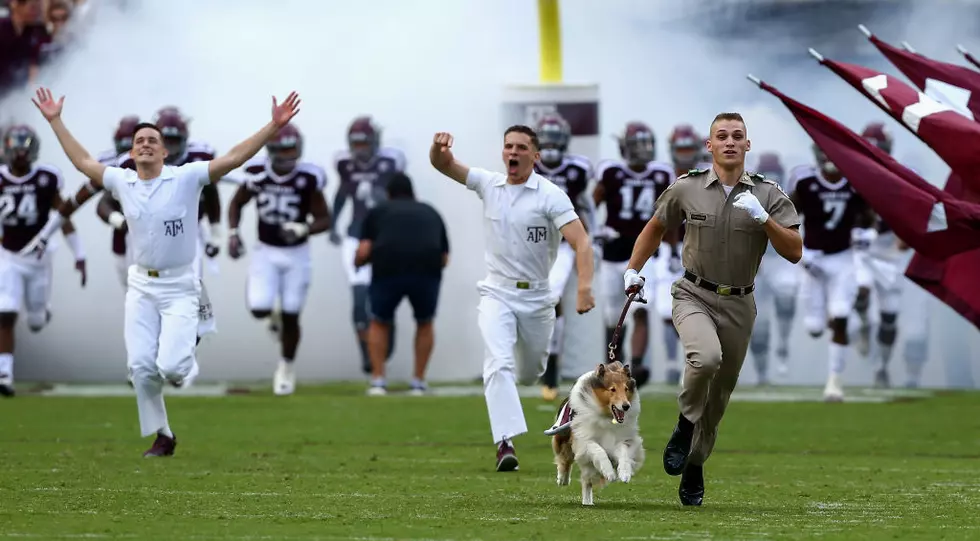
[360,314]
[37,320]
[888,330]
[261,314]
[863,300]
[785,306]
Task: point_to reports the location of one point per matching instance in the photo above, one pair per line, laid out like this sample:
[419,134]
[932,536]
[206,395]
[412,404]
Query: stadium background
[430,65]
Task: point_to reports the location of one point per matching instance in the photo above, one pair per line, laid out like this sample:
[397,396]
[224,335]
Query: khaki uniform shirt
[722,244]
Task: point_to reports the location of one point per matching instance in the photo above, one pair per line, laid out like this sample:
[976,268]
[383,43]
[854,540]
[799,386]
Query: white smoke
[418,67]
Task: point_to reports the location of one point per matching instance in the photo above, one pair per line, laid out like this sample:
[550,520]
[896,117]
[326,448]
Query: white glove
[861,238]
[634,282]
[750,203]
[117,220]
[606,233]
[295,231]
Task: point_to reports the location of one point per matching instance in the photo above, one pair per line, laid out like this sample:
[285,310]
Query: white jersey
[521,223]
[161,213]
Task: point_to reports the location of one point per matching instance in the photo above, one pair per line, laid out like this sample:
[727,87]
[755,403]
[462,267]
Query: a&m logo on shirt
[172,228]
[537,233]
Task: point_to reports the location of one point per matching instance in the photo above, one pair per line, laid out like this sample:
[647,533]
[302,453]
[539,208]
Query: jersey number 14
[640,207]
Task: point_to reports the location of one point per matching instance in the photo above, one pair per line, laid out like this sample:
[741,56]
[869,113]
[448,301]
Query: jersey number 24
[13,213]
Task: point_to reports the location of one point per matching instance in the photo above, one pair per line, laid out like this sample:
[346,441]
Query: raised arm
[79,157]
[442,158]
[242,152]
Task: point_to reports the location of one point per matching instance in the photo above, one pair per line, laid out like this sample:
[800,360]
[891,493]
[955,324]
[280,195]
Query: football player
[831,210]
[364,170]
[287,192]
[28,193]
[686,153]
[108,208]
[572,174]
[628,189]
[778,284]
[881,265]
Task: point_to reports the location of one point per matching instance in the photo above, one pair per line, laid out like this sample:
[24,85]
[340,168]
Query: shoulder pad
[693,172]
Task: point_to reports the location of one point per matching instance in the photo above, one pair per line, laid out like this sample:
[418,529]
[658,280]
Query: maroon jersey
[629,198]
[282,199]
[829,209]
[26,202]
[109,158]
[572,175]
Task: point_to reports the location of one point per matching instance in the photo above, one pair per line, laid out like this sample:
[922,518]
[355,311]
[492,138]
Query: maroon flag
[929,220]
[954,137]
[957,84]
[969,57]
[953,281]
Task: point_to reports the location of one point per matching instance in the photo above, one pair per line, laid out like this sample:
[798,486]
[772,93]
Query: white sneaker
[833,392]
[782,367]
[862,342]
[377,390]
[284,382]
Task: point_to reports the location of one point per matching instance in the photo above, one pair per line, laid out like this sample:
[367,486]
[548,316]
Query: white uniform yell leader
[160,203]
[523,212]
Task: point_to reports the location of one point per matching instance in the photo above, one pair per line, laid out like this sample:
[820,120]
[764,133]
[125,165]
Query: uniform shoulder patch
[758,176]
[693,173]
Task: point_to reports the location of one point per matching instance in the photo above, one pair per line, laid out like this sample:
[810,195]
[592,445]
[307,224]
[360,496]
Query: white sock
[838,354]
[377,382]
[7,364]
[418,383]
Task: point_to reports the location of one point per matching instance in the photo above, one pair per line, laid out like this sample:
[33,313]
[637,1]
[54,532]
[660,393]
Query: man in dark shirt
[405,242]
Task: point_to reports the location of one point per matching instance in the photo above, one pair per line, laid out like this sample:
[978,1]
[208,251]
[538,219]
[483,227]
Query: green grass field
[332,464]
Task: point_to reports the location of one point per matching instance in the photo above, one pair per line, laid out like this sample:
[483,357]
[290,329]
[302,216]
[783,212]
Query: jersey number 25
[278,208]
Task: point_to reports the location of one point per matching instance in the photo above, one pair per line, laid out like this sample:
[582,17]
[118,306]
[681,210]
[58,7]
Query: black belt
[715,288]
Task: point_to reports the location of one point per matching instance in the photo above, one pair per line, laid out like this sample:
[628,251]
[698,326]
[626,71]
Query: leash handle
[619,326]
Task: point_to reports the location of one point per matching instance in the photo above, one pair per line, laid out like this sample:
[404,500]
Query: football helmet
[686,146]
[363,138]
[122,138]
[20,146]
[878,135]
[637,144]
[554,133]
[285,148]
[173,127]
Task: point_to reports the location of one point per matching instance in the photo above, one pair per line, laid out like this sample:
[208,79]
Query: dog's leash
[619,326]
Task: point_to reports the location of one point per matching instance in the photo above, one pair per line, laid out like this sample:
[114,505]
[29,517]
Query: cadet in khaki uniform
[731,216]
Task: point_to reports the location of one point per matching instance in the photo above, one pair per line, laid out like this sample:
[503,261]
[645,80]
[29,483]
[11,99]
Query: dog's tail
[563,420]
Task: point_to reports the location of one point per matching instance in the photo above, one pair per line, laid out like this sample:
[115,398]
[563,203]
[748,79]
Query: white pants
[663,303]
[614,288]
[885,275]
[283,272]
[831,293]
[25,283]
[777,278]
[512,319]
[162,316]
[356,276]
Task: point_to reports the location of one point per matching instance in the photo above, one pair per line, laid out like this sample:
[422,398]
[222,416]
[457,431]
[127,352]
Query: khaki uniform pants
[715,330]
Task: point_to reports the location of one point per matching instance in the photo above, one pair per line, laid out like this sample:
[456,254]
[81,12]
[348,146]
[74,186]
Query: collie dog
[597,427]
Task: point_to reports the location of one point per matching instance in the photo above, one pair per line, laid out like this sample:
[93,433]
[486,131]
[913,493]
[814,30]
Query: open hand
[282,114]
[45,103]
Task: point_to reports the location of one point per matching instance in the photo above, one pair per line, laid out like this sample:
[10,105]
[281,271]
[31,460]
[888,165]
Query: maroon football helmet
[686,146]
[20,146]
[878,135]
[123,136]
[363,138]
[173,127]
[285,148]
[637,144]
[554,133]
[770,166]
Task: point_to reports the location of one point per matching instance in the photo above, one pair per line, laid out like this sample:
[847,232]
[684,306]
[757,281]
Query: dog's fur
[605,451]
